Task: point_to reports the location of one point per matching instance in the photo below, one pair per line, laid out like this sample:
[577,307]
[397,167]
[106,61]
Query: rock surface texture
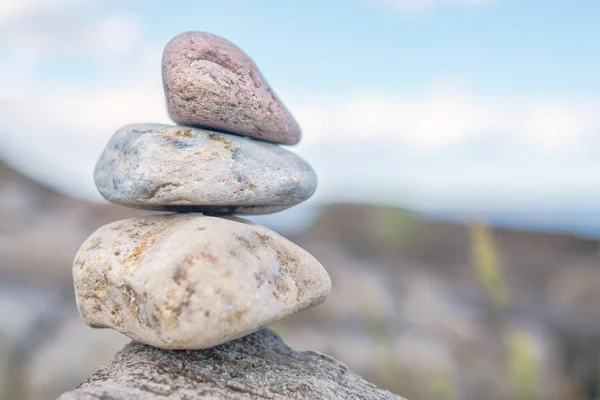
[179,168]
[209,82]
[183,281]
[258,366]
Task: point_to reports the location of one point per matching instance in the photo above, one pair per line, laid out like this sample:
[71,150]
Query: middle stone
[177,168]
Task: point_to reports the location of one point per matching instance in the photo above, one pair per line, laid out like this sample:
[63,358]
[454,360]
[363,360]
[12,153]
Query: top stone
[211,83]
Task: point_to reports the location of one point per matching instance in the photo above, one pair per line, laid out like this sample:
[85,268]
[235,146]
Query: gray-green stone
[163,167]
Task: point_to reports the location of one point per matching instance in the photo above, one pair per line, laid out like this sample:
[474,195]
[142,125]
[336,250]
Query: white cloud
[115,35]
[103,38]
[33,29]
[443,116]
[557,125]
[13,11]
[415,6]
[447,147]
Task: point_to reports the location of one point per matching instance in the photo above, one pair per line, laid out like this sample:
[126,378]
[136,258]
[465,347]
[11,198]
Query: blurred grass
[442,386]
[523,367]
[488,270]
[435,383]
[395,226]
[376,325]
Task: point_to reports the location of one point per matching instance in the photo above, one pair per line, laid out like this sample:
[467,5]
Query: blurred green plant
[488,269]
[377,328]
[523,366]
[442,386]
[7,396]
[438,384]
[598,388]
[394,225]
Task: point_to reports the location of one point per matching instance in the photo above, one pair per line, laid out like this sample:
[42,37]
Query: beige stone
[183,281]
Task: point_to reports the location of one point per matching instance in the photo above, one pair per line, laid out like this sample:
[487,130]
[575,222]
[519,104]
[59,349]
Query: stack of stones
[198,276]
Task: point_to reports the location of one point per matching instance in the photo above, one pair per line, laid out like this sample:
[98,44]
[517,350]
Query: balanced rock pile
[186,281]
[189,281]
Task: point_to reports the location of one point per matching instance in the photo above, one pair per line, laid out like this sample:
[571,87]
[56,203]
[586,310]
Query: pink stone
[211,83]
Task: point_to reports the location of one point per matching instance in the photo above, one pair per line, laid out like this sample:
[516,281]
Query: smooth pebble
[177,168]
[209,82]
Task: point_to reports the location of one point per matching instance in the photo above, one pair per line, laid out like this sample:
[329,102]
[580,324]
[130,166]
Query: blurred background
[458,210]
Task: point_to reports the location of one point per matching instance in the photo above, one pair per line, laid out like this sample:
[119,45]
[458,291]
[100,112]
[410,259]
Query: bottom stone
[258,366]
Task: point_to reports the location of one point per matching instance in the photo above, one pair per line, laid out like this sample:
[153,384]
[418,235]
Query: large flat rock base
[257,366]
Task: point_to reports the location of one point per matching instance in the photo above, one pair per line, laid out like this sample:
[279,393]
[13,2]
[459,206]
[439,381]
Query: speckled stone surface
[182,281]
[258,366]
[176,168]
[209,82]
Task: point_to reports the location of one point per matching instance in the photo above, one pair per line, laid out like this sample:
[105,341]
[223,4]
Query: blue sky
[432,104]
[502,46]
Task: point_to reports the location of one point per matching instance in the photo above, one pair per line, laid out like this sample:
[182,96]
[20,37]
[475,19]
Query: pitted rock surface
[177,168]
[184,281]
[258,366]
[211,83]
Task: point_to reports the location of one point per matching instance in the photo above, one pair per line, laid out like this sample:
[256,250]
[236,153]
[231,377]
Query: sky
[427,104]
